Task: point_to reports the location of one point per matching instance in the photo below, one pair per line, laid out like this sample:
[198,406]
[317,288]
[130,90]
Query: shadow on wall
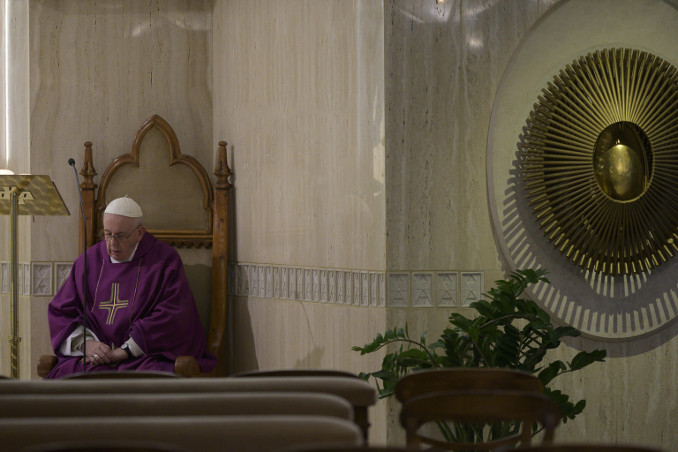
[200,281]
[312,360]
[244,349]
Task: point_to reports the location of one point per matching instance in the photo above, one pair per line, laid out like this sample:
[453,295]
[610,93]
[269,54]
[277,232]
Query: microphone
[84,272]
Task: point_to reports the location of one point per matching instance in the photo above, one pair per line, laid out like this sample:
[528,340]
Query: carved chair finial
[223,172]
[88,172]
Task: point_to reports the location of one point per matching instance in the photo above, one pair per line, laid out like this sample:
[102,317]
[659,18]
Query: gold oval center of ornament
[622,161]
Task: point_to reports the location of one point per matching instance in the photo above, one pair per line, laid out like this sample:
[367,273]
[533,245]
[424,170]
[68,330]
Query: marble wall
[443,63]
[357,134]
[98,70]
[299,95]
[16,130]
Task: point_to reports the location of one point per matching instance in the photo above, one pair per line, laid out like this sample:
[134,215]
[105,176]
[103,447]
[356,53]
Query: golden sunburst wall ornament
[599,161]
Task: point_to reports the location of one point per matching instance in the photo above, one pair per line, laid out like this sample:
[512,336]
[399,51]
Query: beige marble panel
[290,334]
[39,343]
[3,105]
[443,64]
[629,399]
[16,141]
[98,71]
[5,330]
[299,96]
[18,90]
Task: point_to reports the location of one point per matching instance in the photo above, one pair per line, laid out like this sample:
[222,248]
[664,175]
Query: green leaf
[551,371]
[505,330]
[583,359]
[507,348]
[484,308]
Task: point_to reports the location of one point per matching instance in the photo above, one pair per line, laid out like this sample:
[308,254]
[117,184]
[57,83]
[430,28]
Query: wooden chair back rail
[193,433]
[463,378]
[171,404]
[479,407]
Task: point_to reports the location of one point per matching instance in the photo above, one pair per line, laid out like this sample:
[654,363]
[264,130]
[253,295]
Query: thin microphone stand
[84,274]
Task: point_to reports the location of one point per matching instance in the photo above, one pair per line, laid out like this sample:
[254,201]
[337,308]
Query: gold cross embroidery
[113,304]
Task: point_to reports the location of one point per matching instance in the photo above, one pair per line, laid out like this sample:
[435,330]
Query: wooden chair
[475,409]
[588,448]
[203,224]
[465,379]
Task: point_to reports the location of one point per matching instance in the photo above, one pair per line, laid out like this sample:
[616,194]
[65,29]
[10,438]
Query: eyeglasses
[118,236]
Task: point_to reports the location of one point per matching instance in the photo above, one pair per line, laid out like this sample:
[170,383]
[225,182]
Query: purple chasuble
[147,299]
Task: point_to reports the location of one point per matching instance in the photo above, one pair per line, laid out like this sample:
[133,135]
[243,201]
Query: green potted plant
[508,331]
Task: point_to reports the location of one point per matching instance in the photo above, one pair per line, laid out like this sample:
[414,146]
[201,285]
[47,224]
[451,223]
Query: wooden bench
[172,404]
[192,433]
[360,394]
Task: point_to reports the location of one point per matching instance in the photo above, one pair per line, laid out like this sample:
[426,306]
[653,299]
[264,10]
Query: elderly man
[141,314]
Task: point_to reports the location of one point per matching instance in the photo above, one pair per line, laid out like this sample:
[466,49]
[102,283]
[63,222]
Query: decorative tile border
[447,289]
[42,279]
[32,278]
[471,287]
[26,278]
[61,272]
[398,289]
[4,277]
[420,289]
[20,278]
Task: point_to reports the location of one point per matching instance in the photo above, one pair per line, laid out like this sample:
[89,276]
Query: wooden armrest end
[45,364]
[187,366]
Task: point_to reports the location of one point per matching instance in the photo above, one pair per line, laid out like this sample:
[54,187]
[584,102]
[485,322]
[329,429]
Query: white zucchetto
[125,207]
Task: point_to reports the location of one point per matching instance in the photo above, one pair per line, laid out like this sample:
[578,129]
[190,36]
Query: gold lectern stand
[25,195]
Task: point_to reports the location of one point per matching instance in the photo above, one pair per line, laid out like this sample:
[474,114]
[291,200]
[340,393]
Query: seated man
[141,314]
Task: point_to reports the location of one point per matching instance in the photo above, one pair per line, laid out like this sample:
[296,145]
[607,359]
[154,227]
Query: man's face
[122,234]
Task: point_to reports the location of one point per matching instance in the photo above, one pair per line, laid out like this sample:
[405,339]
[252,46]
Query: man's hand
[99,354]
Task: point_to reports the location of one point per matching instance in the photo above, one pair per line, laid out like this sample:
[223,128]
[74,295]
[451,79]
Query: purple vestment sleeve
[147,299]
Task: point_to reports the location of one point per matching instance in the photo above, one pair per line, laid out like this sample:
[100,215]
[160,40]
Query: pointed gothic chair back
[480,419]
[182,208]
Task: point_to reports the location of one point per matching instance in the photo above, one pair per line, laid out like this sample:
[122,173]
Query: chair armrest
[187,366]
[45,364]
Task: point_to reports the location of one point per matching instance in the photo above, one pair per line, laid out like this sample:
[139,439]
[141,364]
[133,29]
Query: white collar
[115,261]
